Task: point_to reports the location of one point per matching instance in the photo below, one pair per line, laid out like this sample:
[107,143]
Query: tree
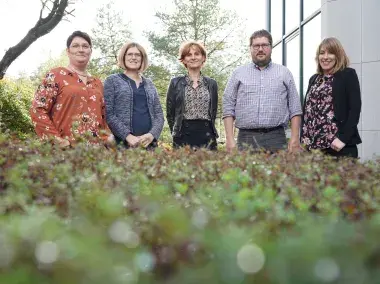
[109,34]
[199,20]
[47,65]
[57,9]
[220,31]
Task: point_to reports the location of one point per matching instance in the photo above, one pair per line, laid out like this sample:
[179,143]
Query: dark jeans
[197,134]
[347,151]
[270,139]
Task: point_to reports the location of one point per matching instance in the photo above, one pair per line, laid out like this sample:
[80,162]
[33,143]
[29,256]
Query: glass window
[310,6]
[276,20]
[311,40]
[293,59]
[277,54]
[292,14]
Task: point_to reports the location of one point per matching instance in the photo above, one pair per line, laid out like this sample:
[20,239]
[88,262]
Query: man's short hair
[261,33]
[83,35]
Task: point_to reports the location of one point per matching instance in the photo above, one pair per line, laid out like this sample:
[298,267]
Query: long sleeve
[294,102]
[230,96]
[158,121]
[170,106]
[42,104]
[354,106]
[118,128]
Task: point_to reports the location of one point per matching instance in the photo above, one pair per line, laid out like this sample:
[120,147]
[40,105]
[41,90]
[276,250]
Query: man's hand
[294,145]
[230,145]
[146,139]
[62,143]
[132,140]
[337,145]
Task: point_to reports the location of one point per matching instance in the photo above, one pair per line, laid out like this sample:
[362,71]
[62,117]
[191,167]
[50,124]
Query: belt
[264,130]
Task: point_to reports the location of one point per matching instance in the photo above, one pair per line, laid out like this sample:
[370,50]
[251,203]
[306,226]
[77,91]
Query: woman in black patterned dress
[332,104]
[192,102]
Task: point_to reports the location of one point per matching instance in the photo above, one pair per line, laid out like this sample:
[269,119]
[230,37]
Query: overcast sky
[18,16]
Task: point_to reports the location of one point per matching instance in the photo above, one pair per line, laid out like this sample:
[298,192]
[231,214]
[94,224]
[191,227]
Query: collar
[190,81]
[130,79]
[258,67]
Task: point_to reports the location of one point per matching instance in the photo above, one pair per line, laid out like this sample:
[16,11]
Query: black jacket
[347,104]
[175,103]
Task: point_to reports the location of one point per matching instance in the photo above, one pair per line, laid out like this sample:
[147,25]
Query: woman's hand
[62,143]
[132,140]
[337,145]
[146,139]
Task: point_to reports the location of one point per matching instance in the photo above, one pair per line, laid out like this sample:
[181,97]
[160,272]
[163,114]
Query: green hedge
[15,101]
[104,216]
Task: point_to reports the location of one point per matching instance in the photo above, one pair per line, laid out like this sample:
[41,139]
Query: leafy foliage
[110,33]
[15,101]
[45,67]
[89,215]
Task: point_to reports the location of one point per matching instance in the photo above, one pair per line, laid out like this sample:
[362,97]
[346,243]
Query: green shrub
[94,216]
[15,101]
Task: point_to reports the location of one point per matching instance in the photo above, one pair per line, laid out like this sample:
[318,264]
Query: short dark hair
[83,35]
[261,33]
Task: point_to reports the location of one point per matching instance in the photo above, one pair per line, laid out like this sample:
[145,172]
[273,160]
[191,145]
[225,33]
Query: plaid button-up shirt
[261,98]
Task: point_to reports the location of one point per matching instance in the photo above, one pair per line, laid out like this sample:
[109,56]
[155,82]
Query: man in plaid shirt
[261,98]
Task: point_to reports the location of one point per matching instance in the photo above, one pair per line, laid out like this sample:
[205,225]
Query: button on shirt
[261,98]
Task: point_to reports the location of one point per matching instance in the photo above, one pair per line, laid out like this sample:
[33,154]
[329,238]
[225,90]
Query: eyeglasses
[131,55]
[78,46]
[264,46]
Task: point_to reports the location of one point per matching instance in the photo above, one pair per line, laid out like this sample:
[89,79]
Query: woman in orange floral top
[69,102]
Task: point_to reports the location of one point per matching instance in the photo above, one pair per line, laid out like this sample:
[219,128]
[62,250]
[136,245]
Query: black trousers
[197,134]
[347,151]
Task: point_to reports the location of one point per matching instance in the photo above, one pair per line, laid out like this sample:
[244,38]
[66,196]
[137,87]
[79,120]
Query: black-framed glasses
[264,46]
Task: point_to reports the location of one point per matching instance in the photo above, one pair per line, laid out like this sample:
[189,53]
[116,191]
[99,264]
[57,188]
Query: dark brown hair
[261,33]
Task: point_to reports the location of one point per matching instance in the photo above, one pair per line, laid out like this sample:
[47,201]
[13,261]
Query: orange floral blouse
[66,107]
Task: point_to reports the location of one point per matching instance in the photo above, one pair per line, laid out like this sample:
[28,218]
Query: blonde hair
[123,52]
[185,50]
[333,46]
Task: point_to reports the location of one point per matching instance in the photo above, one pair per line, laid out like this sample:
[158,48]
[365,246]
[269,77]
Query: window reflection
[293,59]
[311,40]
[292,14]
[310,6]
[276,20]
[277,54]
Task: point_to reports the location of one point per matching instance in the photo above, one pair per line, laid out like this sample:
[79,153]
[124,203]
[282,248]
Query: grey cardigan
[118,96]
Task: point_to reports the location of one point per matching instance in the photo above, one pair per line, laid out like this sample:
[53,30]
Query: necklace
[76,72]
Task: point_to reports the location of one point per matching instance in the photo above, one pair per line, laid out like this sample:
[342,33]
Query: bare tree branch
[42,27]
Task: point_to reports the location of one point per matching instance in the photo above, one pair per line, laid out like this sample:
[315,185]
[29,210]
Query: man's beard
[261,63]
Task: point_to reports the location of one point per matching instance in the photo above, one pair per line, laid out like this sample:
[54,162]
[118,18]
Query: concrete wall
[356,23]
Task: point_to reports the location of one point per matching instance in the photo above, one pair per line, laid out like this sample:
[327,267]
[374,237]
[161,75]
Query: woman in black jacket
[332,104]
[192,102]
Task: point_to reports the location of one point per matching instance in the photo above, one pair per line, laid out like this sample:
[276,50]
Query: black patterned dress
[319,128]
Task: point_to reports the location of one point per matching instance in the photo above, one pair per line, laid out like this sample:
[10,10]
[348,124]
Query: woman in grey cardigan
[133,109]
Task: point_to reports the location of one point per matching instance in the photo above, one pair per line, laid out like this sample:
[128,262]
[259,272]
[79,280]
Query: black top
[175,103]
[347,104]
[141,121]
